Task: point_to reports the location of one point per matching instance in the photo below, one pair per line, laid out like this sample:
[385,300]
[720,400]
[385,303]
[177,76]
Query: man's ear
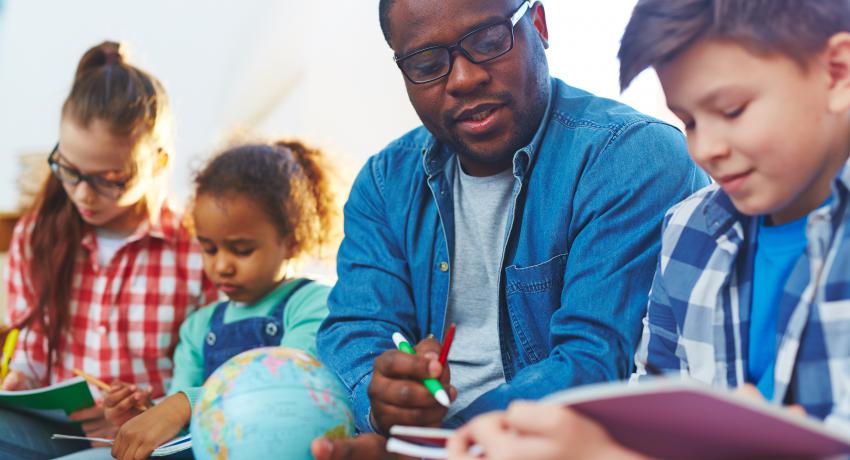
[837,56]
[538,19]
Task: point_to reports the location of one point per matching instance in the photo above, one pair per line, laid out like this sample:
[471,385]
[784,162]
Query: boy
[752,289]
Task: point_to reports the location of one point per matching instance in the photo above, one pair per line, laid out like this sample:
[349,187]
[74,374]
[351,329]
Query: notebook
[422,442]
[53,402]
[674,419]
[176,448]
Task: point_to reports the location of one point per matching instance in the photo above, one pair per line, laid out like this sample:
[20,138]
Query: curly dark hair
[291,183]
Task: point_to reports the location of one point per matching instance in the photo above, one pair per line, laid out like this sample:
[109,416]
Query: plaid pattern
[699,304]
[125,316]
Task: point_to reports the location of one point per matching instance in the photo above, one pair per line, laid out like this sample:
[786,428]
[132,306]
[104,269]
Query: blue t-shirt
[777,250]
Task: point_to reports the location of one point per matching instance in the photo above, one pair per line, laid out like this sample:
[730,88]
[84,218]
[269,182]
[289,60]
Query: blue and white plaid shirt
[699,305]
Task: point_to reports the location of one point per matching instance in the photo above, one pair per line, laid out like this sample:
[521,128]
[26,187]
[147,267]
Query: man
[525,211]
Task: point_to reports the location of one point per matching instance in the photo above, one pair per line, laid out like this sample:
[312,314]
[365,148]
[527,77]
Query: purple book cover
[672,419]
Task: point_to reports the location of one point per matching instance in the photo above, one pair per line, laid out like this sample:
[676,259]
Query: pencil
[103,385]
[8,351]
[447,344]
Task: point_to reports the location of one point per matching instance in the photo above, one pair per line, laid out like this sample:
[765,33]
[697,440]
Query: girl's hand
[121,402]
[538,431]
[14,381]
[94,424]
[140,435]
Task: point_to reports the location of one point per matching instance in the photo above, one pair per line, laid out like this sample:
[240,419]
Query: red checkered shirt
[125,316]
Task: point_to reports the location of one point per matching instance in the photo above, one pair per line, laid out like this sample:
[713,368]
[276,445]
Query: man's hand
[396,392]
[364,447]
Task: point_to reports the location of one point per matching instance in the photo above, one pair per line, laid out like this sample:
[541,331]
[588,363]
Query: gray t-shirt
[481,209]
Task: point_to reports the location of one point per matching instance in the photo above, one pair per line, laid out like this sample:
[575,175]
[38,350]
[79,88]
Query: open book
[54,402]
[673,419]
[176,448]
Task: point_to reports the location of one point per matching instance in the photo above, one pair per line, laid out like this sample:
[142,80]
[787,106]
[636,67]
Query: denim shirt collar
[435,154]
[720,213]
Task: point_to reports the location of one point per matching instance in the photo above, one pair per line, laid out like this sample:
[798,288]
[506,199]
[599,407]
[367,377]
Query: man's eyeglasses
[479,46]
[72,176]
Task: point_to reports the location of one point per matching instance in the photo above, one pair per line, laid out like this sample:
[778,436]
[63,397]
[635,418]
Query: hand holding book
[663,418]
[536,431]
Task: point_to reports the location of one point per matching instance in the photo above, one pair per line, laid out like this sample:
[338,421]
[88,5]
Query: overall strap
[218,315]
[278,310]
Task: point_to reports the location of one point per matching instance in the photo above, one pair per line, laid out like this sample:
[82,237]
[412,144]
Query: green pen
[433,385]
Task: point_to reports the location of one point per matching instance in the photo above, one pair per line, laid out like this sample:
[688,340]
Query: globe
[268,403]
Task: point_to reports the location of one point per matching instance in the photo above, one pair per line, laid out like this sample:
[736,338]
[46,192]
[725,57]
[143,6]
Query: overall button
[211,339]
[271,329]
[444,266]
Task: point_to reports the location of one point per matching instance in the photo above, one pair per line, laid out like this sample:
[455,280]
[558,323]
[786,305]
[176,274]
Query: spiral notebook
[177,448]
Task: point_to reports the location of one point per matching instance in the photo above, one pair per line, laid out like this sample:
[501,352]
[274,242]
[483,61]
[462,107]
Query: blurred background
[318,70]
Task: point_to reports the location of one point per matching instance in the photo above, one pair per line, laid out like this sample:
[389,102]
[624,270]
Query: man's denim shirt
[583,236]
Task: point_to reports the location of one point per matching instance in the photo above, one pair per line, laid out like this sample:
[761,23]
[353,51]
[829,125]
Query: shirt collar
[164,228]
[720,213]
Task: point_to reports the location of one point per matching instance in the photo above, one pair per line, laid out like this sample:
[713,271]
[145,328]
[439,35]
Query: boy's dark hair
[659,30]
[288,180]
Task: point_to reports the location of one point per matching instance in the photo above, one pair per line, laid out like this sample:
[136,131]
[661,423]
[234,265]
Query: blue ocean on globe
[268,403]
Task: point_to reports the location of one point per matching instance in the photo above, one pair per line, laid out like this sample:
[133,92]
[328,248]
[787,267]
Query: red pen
[447,344]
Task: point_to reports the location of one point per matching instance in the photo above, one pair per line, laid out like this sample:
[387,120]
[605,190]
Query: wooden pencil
[103,385]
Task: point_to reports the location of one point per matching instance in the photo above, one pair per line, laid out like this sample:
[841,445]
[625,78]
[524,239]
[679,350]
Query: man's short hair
[384,16]
[659,30]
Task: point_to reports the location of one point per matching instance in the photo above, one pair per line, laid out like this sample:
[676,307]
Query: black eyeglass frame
[510,22]
[95,182]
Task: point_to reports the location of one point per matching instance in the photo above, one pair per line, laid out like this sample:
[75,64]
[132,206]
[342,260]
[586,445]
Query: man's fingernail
[435,368]
[431,355]
[322,447]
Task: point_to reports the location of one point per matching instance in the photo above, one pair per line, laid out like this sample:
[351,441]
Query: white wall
[317,69]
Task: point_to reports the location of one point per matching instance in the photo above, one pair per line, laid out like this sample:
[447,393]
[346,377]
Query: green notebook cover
[68,396]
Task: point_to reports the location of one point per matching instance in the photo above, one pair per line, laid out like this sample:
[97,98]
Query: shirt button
[444,266]
[101,330]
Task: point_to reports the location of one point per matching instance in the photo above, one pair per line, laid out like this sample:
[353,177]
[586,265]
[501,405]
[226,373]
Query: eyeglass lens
[480,46]
[72,176]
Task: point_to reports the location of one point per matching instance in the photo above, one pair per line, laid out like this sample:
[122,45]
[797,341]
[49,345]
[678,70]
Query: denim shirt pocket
[533,294]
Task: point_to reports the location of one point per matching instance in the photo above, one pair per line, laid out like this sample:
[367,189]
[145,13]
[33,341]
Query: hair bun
[99,56]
